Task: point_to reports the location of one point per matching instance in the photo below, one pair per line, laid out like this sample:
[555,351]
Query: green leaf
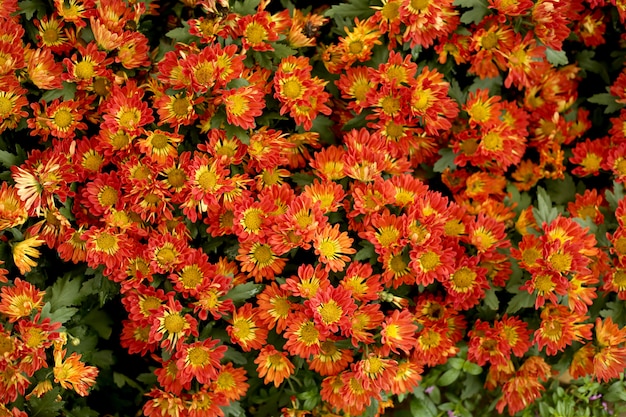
[302,178]
[234,356]
[102,359]
[446,160]
[366,253]
[100,322]
[46,406]
[65,292]
[423,408]
[491,300]
[472,368]
[67,92]
[448,377]
[521,300]
[245,7]
[544,212]
[435,394]
[556,58]
[585,61]
[182,35]
[350,10]
[494,84]
[615,196]
[233,409]
[238,132]
[562,191]
[478,10]
[121,380]
[356,122]
[8,160]
[29,7]
[607,100]
[63,314]
[282,51]
[244,291]
[323,125]
[82,412]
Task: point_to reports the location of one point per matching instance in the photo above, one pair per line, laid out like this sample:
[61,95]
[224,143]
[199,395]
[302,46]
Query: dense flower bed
[408,207]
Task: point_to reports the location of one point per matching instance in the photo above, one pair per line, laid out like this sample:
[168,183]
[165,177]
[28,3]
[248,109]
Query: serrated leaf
[545,211]
[68,92]
[238,132]
[282,51]
[366,253]
[302,178]
[584,59]
[245,7]
[474,15]
[556,58]
[243,292]
[29,7]
[63,314]
[493,84]
[182,35]
[607,100]
[446,160]
[615,196]
[448,377]
[350,9]
[46,406]
[8,160]
[561,191]
[121,380]
[323,125]
[148,378]
[356,122]
[100,322]
[521,300]
[65,292]
[233,356]
[491,300]
[233,409]
[102,359]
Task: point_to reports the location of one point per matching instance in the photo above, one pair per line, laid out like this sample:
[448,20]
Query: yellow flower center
[176,177]
[479,112]
[390,105]
[620,166]
[619,280]
[5,106]
[50,36]
[237,105]
[174,323]
[84,70]
[430,339]
[181,106]
[454,227]
[360,89]
[225,381]
[129,118]
[159,141]
[276,360]
[553,330]
[492,141]
[330,312]
[35,337]
[387,236]
[292,89]
[141,172]
[101,86]
[191,276]
[356,47]
[92,161]
[620,245]
[587,211]
[262,254]
[106,243]
[148,304]
[166,256]
[489,41]
[463,279]
[394,130]
[328,248]
[108,196]
[544,284]
[390,10]
[419,4]
[252,220]
[392,331]
[63,118]
[421,100]
[591,162]
[374,365]
[560,262]
[119,140]
[328,348]
[242,329]
[207,180]
[309,334]
[429,261]
[397,264]
[281,307]
[6,346]
[530,256]
[198,356]
[255,33]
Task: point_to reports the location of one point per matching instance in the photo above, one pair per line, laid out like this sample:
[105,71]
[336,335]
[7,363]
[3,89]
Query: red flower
[331,309]
[274,365]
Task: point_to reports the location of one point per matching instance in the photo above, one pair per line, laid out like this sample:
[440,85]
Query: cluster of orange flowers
[191,169]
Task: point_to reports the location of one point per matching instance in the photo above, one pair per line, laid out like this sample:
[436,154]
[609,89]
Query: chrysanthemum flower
[274,365]
[333,247]
[257,31]
[467,284]
[242,105]
[331,309]
[52,34]
[25,253]
[609,359]
[331,359]
[246,328]
[71,373]
[170,326]
[200,360]
[230,382]
[20,299]
[303,337]
[398,332]
[559,328]
[275,308]
[408,374]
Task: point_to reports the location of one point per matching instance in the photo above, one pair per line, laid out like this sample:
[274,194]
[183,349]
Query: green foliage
[478,10]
